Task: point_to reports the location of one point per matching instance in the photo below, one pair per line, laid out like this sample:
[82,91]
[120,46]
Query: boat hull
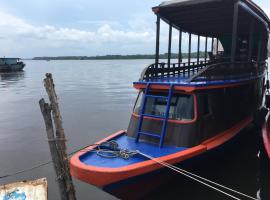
[265,160]
[12,67]
[135,181]
[141,186]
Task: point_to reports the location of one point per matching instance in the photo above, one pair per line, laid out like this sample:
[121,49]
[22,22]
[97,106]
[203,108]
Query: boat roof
[211,17]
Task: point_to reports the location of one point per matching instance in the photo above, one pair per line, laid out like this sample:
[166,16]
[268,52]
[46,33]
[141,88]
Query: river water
[96,99]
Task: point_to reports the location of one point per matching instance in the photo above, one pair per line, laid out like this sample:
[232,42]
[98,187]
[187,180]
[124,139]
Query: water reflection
[9,78]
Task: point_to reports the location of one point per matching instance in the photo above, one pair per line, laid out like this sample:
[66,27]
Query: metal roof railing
[204,70]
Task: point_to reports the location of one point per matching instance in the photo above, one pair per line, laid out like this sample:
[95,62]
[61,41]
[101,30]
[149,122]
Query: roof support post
[189,51]
[198,49]
[217,47]
[180,48]
[234,30]
[170,45]
[251,41]
[157,41]
[206,47]
[212,45]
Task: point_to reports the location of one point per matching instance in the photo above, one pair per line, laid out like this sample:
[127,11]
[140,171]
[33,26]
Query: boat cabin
[9,61]
[215,83]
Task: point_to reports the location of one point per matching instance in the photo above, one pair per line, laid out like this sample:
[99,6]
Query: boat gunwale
[266,134]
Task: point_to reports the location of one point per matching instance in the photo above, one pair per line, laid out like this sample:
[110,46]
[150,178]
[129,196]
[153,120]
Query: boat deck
[125,142]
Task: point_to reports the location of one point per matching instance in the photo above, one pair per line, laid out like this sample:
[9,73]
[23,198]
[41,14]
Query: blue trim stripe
[182,81]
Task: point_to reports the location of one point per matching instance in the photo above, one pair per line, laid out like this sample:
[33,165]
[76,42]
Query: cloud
[99,23]
[267,11]
[21,38]
[21,35]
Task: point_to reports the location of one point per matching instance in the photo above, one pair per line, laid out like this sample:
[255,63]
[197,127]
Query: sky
[31,28]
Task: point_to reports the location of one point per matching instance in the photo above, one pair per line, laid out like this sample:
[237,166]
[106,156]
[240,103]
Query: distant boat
[11,64]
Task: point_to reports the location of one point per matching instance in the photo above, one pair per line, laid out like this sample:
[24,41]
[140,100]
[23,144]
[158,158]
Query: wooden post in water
[46,112]
[57,140]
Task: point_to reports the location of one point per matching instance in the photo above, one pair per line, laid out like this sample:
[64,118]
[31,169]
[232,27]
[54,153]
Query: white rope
[192,176]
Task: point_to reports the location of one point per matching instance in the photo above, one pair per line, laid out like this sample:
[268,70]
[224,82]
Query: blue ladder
[164,119]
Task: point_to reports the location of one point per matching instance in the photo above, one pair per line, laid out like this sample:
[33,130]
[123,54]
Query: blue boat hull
[139,186]
[12,67]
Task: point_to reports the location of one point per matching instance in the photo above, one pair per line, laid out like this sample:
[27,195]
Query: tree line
[119,57]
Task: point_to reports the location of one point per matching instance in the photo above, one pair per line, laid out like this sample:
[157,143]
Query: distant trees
[120,57]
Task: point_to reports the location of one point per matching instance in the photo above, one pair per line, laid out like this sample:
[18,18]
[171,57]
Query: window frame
[195,114]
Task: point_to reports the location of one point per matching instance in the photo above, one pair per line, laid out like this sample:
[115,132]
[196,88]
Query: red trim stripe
[186,88]
[266,134]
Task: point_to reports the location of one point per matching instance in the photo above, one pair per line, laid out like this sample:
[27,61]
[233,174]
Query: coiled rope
[111,150]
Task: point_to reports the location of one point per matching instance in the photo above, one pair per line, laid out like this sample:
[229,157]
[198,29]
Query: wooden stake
[46,112]
[59,138]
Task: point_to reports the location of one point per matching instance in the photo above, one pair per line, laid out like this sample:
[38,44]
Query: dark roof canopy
[212,18]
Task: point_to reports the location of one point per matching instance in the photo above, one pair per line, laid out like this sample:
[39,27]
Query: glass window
[181,107]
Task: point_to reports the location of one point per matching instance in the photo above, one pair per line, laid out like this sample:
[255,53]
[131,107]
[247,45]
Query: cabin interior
[231,40]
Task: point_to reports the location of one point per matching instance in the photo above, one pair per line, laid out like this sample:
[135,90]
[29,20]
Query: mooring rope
[196,177]
[42,164]
[111,149]
[125,154]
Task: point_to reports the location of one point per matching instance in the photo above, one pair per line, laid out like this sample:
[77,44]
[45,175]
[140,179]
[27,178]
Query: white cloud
[23,39]
[21,35]
[267,11]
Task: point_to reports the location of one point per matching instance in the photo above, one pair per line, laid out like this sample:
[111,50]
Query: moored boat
[264,157]
[187,109]
[11,64]
[266,136]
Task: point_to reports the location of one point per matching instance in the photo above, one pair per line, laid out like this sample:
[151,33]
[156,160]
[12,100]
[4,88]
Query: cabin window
[181,107]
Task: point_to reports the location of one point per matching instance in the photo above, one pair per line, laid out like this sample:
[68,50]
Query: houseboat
[11,64]
[187,108]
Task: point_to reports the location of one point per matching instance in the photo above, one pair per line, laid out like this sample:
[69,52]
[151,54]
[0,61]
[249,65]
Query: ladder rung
[154,116]
[156,96]
[149,134]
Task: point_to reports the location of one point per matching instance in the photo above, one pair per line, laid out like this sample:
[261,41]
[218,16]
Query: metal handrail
[163,70]
[200,69]
[258,66]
